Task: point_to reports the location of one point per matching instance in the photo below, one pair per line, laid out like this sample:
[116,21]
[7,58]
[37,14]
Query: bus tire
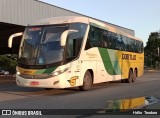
[87,82]
[123,81]
[130,76]
[134,76]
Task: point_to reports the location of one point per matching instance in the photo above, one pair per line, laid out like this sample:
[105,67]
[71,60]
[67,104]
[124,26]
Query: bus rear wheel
[130,77]
[134,76]
[87,82]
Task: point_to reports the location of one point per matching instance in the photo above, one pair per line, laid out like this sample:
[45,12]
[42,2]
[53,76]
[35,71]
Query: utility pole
[158,51]
[158,59]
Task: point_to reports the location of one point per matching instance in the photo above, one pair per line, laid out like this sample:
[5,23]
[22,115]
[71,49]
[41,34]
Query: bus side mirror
[64,36]
[13,36]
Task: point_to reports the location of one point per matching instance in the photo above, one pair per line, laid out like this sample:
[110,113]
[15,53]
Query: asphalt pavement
[14,97]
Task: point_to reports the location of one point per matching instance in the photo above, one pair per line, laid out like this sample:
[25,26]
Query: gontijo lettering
[128,57]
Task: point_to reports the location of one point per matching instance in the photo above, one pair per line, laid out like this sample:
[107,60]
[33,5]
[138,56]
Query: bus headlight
[59,72]
[18,73]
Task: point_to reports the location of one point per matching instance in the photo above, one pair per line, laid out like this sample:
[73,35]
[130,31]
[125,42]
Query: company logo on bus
[72,80]
[91,55]
[128,57]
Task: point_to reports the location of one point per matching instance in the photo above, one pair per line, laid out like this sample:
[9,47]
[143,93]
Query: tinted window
[94,37]
[74,41]
[105,39]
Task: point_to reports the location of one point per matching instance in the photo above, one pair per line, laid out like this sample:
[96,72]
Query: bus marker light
[34,83]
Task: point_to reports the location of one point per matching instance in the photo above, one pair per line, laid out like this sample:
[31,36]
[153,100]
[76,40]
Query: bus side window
[73,48]
[105,39]
[70,48]
[140,49]
[88,45]
[124,43]
[94,38]
[77,46]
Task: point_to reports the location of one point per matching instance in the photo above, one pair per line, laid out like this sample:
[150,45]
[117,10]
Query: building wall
[23,12]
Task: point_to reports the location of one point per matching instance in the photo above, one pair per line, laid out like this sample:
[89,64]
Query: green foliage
[7,63]
[151,50]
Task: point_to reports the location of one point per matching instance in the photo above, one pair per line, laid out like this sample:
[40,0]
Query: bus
[72,51]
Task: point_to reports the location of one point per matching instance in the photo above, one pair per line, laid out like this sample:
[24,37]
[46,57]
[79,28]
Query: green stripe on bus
[50,70]
[116,67]
[40,71]
[114,60]
[107,61]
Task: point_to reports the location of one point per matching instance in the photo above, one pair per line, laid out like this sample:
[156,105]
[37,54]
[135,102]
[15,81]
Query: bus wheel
[87,82]
[134,76]
[130,77]
[123,81]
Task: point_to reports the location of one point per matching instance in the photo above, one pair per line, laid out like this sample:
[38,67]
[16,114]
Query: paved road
[13,97]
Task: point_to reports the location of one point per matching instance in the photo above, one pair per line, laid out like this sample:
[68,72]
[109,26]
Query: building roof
[23,12]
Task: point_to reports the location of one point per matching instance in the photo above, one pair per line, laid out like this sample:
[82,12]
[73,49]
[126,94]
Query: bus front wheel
[87,82]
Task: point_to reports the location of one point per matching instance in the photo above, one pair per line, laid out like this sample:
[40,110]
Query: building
[16,14]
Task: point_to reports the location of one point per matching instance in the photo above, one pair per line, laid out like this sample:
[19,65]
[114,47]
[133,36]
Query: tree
[8,64]
[151,50]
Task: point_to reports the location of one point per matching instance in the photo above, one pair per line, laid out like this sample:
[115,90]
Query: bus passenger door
[72,53]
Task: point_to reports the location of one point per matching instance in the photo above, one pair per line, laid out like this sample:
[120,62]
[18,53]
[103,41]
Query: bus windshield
[41,44]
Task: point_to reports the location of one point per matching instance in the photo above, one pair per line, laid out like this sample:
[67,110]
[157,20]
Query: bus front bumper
[53,82]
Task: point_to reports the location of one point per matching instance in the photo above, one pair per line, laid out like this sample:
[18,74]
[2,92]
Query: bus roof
[86,20]
[61,20]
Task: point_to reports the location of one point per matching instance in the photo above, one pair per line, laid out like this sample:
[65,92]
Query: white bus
[63,52]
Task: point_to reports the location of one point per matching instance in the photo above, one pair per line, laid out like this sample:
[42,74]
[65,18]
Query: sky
[143,16]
